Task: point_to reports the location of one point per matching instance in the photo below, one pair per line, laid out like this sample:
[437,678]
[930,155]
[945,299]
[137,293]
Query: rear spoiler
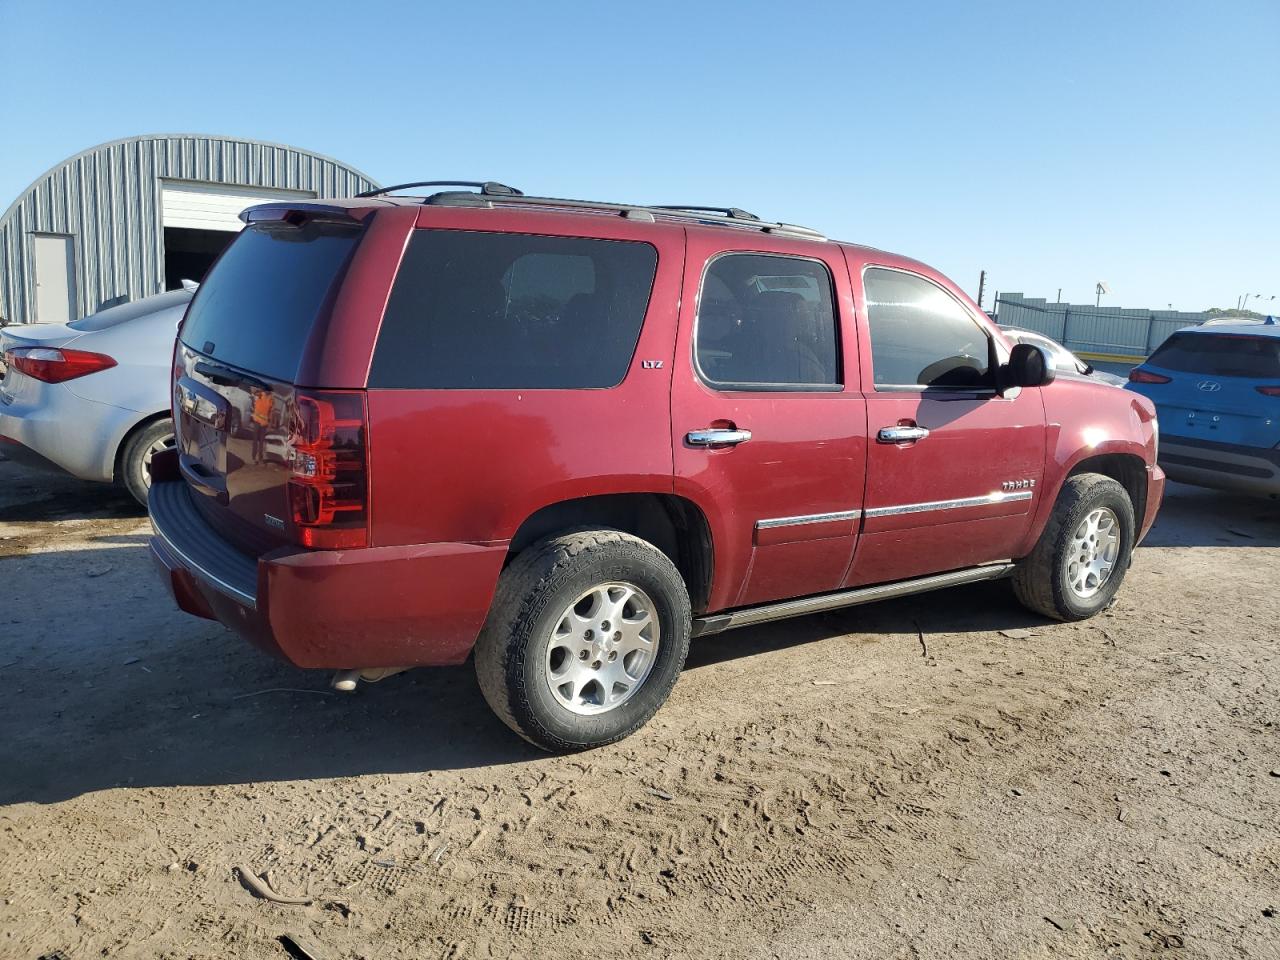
[296,214]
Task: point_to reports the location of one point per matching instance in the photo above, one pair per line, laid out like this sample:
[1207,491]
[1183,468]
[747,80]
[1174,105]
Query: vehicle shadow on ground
[128,692]
[973,608]
[120,690]
[1199,517]
[30,496]
[112,687]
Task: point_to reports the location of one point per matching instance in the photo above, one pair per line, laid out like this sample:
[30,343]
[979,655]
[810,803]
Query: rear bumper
[418,605]
[1224,466]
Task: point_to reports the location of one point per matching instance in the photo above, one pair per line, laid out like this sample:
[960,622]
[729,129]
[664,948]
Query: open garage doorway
[200,219]
[188,253]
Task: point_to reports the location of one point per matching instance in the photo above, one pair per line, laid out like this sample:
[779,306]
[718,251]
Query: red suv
[566,436]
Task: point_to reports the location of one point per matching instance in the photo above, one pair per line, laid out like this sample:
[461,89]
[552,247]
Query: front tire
[136,456]
[586,637]
[1081,558]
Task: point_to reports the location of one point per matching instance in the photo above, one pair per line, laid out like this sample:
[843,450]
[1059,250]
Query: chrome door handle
[901,434]
[717,438]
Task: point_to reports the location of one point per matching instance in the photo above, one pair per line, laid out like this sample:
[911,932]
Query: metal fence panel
[1088,329]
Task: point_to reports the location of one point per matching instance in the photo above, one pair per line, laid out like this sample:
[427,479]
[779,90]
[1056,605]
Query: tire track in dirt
[785,798]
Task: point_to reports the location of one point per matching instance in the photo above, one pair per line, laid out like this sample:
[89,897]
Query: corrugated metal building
[134,217]
[1097,332]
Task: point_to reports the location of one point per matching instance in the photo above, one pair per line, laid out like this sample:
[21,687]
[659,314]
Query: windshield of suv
[256,308]
[1220,354]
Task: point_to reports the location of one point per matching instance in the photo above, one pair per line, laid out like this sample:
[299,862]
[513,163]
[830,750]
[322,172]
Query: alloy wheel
[602,649]
[1093,552]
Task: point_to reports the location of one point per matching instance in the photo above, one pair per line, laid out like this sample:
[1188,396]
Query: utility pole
[1059,300]
[982,286]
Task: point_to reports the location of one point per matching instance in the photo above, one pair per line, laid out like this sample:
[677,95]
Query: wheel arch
[118,460]
[673,524]
[1122,461]
[1127,469]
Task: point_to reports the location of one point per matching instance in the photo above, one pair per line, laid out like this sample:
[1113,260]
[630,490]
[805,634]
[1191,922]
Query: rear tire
[542,659]
[137,453]
[1081,558]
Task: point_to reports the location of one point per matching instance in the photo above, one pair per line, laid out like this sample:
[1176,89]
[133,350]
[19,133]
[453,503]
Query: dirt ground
[838,786]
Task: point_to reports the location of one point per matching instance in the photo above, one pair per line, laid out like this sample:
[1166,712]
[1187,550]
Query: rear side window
[921,337]
[767,322]
[256,308]
[1220,355]
[474,310]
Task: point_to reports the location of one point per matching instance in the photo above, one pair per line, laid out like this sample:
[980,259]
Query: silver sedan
[91,397]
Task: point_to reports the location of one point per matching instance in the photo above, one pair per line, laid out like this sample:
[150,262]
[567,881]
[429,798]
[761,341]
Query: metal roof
[108,199]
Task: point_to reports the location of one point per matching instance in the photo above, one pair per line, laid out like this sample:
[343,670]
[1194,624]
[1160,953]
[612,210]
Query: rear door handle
[901,434]
[717,437]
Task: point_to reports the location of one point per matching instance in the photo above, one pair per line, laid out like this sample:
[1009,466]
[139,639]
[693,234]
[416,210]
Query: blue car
[1217,393]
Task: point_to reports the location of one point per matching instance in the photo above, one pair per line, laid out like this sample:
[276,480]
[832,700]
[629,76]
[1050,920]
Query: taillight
[329,475]
[1138,375]
[54,366]
[1269,391]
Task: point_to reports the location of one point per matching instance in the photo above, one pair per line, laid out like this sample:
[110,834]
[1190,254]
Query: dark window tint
[920,336]
[258,304]
[767,321]
[1220,354]
[498,310]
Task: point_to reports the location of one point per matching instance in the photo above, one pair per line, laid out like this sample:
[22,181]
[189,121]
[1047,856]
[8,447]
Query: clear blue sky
[1054,145]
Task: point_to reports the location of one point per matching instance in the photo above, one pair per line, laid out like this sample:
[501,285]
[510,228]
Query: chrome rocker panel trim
[750,616]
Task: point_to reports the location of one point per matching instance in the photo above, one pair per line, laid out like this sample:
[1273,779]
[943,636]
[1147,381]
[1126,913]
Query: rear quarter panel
[469,466]
[143,351]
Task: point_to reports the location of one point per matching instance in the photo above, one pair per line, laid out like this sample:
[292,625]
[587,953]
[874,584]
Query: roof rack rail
[733,213]
[488,188]
[488,192]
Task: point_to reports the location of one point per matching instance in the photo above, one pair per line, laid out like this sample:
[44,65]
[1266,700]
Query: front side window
[767,322]
[921,337]
[473,310]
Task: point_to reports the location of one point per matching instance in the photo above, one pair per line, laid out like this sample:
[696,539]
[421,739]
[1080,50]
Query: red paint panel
[387,607]
[976,444]
[472,465]
[798,533]
[807,454]
[898,554]
[339,351]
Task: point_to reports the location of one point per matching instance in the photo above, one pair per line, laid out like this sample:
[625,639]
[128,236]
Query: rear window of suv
[473,310]
[256,308]
[1220,355]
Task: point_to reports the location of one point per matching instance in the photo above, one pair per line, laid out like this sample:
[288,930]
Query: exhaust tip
[345,680]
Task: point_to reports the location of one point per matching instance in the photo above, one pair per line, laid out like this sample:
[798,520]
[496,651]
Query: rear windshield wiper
[226,377]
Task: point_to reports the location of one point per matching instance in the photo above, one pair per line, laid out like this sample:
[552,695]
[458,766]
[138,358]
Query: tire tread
[520,599]
[1035,580]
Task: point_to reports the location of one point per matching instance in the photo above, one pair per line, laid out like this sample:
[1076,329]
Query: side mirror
[1028,366]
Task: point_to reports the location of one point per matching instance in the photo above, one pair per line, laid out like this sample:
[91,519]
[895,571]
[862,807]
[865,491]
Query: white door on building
[55,260]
